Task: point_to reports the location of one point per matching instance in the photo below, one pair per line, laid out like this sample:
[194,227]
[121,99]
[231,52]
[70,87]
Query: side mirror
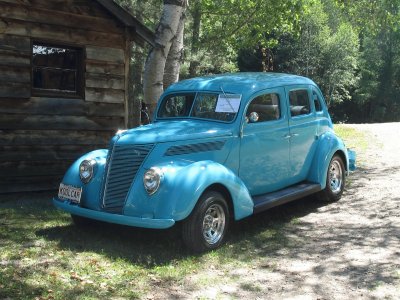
[253,117]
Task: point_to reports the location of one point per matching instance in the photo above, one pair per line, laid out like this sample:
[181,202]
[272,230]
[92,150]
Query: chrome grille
[123,164]
[194,148]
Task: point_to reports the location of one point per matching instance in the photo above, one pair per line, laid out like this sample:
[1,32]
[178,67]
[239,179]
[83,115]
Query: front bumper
[113,218]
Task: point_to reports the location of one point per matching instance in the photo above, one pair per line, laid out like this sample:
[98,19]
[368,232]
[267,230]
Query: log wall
[41,136]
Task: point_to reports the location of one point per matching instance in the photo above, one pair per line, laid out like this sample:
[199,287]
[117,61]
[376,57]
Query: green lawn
[44,256]
[353,138]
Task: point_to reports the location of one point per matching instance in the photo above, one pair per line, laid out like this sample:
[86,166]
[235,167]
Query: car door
[264,149]
[303,128]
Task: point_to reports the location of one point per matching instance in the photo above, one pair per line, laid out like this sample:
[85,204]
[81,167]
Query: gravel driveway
[354,245]
[344,250]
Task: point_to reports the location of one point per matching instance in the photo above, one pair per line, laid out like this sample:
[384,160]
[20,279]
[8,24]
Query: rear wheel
[335,180]
[206,227]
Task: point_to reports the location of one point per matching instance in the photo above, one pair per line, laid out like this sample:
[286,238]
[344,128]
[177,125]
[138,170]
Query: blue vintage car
[220,148]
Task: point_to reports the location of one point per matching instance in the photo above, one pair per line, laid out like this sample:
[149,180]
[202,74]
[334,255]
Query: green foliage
[321,49]
[339,64]
[227,26]
[378,92]
[350,48]
[327,51]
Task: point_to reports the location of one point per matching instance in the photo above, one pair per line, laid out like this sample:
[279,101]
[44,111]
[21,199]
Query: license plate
[69,192]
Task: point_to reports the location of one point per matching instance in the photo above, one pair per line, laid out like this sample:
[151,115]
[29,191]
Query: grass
[355,140]
[44,256]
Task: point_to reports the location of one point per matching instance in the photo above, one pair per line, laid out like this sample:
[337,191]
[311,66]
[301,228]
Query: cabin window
[57,71]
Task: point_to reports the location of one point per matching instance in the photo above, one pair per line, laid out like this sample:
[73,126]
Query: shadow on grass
[262,237]
[145,247]
[149,248]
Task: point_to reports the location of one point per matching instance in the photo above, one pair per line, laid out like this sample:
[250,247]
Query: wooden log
[106,54]
[105,81]
[14,90]
[15,74]
[104,95]
[56,17]
[55,137]
[25,168]
[80,7]
[14,58]
[54,106]
[30,184]
[102,67]
[45,152]
[15,43]
[42,122]
[60,33]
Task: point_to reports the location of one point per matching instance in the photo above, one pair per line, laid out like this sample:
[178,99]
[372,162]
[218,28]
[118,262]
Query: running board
[294,192]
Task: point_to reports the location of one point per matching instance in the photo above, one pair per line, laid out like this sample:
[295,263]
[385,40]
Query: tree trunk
[194,63]
[156,60]
[175,56]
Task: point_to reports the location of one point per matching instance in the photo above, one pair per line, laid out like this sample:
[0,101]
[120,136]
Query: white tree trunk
[156,61]
[175,56]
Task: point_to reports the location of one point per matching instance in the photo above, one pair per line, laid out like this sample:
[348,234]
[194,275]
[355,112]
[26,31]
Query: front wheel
[206,227]
[335,180]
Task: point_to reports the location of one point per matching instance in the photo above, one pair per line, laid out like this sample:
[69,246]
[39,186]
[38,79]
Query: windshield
[213,106]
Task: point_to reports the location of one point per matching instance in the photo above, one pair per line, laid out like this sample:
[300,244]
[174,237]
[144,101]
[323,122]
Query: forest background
[350,48]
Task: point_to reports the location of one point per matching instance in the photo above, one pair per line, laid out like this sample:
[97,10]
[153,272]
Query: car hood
[168,131]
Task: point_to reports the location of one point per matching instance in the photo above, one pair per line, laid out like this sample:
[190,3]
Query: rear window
[299,103]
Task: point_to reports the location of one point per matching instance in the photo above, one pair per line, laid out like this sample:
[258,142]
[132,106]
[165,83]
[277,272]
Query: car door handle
[288,136]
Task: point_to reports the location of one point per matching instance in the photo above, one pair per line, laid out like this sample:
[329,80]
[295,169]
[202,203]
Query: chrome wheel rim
[335,177]
[213,224]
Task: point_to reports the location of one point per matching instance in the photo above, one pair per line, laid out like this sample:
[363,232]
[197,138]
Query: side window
[317,102]
[299,103]
[266,106]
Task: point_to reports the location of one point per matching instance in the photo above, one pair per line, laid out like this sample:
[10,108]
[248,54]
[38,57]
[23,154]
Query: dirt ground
[344,250]
[354,248]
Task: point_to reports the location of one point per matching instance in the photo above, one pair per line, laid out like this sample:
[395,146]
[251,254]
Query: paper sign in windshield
[228,103]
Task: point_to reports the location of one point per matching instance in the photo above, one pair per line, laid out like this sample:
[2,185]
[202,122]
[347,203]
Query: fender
[90,191]
[185,181]
[328,145]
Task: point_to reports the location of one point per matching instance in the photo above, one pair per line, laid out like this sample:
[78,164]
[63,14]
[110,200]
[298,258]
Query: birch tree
[163,62]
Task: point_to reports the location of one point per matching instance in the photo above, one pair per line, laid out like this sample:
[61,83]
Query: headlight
[152,179]
[86,170]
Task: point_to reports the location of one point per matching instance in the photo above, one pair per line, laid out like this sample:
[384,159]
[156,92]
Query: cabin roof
[128,20]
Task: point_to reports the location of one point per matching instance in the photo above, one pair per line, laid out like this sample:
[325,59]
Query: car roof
[241,83]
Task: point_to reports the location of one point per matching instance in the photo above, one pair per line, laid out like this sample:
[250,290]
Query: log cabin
[64,68]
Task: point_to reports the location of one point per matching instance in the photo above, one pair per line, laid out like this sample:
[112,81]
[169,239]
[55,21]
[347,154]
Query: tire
[335,180]
[81,221]
[206,227]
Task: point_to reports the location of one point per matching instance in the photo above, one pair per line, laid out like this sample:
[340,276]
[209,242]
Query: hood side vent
[194,148]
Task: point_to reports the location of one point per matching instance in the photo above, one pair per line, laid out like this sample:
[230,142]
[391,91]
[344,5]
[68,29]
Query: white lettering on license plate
[69,192]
